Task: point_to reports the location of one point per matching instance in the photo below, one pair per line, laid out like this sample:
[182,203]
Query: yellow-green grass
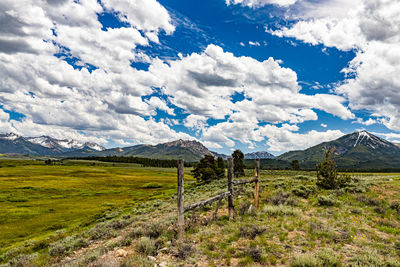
[37,200]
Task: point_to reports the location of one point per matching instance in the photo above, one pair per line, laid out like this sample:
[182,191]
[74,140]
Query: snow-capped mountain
[42,145]
[50,142]
[259,155]
[9,136]
[359,149]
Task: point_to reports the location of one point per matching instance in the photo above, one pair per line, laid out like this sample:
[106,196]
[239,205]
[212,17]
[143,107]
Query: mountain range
[191,151]
[11,143]
[358,150]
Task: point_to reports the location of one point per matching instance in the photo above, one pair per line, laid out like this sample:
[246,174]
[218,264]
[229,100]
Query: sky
[258,75]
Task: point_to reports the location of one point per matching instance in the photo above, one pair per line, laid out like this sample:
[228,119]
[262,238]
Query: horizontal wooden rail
[207,201]
[247,181]
[230,194]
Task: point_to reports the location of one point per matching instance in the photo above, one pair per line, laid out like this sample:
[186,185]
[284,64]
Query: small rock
[121,253]
[151,258]
[163,249]
[163,264]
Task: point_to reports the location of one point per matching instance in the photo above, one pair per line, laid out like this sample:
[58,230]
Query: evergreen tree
[206,169]
[238,164]
[220,170]
[295,164]
[326,170]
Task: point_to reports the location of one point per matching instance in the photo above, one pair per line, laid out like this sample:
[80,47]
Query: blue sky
[249,74]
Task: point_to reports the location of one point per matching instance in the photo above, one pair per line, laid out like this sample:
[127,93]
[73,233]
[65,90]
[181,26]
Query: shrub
[395,205]
[303,191]
[278,199]
[101,231]
[67,245]
[328,258]
[368,201]
[302,178]
[255,253]
[280,210]
[23,260]
[154,230]
[184,250]
[151,185]
[251,231]
[137,232]
[380,210]
[304,260]
[326,201]
[146,246]
[117,224]
[372,259]
[137,260]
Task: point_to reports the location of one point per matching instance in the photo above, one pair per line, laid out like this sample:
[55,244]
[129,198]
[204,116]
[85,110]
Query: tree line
[145,162]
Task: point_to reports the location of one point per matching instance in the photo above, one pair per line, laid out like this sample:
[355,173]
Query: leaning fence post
[231,206]
[181,218]
[257,183]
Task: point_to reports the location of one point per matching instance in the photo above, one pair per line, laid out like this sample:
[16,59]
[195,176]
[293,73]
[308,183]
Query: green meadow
[36,200]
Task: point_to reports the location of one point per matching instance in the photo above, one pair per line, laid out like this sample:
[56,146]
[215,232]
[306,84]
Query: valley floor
[297,224]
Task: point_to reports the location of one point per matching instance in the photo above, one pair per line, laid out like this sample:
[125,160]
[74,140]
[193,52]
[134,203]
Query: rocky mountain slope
[259,155]
[11,143]
[360,149]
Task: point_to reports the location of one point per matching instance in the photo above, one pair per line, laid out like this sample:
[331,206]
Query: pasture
[36,200]
[80,214]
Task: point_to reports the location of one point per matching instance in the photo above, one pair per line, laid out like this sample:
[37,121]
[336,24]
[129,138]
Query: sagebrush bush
[371,258]
[251,231]
[184,250]
[23,260]
[278,199]
[280,210]
[67,245]
[255,253]
[328,258]
[137,232]
[146,246]
[304,260]
[369,201]
[152,185]
[302,178]
[137,260]
[395,205]
[326,201]
[303,191]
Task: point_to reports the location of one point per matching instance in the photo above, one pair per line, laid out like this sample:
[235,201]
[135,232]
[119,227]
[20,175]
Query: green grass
[37,200]
[359,228]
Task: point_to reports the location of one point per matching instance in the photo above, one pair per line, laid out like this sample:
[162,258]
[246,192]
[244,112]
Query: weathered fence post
[231,206]
[257,182]
[181,217]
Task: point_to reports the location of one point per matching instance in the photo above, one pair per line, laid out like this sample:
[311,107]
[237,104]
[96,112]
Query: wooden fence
[230,194]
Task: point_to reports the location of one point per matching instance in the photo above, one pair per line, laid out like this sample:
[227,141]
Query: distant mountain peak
[192,145]
[363,137]
[51,142]
[10,136]
[358,150]
[42,145]
[259,155]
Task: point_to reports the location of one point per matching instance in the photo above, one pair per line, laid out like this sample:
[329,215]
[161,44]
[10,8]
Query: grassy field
[37,200]
[297,223]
